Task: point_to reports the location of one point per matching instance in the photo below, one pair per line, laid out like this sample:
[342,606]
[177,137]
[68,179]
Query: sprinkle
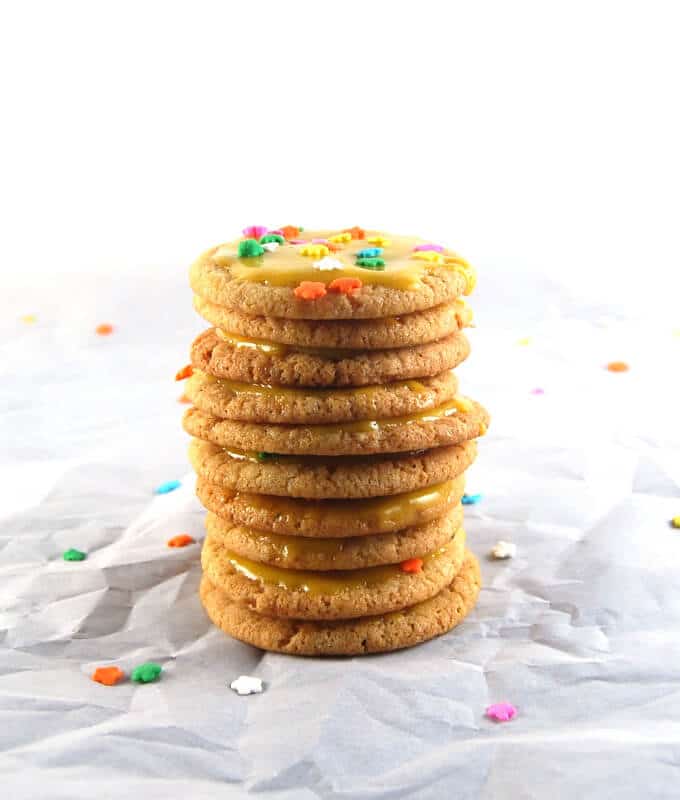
[185,372]
[183,399]
[29,319]
[345,285]
[109,676]
[298,241]
[168,486]
[428,255]
[262,456]
[104,329]
[675,522]
[289,231]
[369,252]
[315,250]
[538,390]
[470,499]
[524,342]
[424,248]
[356,232]
[272,238]
[245,684]
[249,248]
[310,290]
[182,540]
[377,264]
[147,672]
[501,712]
[381,241]
[618,366]
[504,549]
[328,263]
[412,565]
[340,238]
[482,429]
[74,555]
[271,247]
[254,231]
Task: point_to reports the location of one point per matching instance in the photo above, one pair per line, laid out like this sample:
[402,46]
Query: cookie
[453,422]
[330,518]
[301,553]
[393,278]
[258,361]
[250,402]
[351,637]
[406,330]
[339,477]
[342,594]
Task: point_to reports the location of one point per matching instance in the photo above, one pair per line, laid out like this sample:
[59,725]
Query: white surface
[579,631]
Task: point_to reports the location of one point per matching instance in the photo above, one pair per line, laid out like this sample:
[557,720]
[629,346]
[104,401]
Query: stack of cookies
[330,439]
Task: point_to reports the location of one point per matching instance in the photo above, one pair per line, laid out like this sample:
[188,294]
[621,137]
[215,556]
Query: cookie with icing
[323,275]
[373,634]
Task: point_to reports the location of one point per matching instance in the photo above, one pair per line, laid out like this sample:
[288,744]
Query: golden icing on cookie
[290,264]
[322,583]
[388,513]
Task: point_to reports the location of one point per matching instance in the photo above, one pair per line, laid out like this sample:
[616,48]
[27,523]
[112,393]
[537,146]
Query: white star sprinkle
[328,263]
[271,246]
[504,549]
[246,684]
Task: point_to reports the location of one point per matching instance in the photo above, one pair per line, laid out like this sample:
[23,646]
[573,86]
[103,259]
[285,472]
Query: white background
[537,135]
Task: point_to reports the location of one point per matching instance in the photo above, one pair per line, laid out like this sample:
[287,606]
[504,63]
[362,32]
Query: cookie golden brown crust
[249,402]
[361,438]
[333,478]
[406,330]
[376,634]
[290,367]
[329,595]
[330,518]
[314,553]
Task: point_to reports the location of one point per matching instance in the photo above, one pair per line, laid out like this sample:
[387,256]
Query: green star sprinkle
[74,555]
[249,248]
[146,673]
[371,263]
[272,237]
[266,456]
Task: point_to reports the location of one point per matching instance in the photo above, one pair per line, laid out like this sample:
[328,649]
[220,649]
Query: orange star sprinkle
[357,233]
[104,329]
[109,676]
[183,399]
[310,290]
[181,541]
[618,366]
[345,285]
[290,232]
[185,372]
[412,565]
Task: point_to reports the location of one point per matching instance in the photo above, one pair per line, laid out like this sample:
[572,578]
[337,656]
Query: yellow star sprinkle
[380,241]
[314,250]
[29,319]
[524,342]
[675,522]
[340,238]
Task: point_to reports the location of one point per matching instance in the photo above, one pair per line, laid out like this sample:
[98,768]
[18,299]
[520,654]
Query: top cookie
[329,274]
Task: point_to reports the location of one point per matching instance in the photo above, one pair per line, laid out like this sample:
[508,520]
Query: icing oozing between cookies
[321,583]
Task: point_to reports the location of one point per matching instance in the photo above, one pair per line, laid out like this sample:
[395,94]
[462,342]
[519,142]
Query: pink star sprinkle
[421,247]
[254,231]
[538,390]
[501,712]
